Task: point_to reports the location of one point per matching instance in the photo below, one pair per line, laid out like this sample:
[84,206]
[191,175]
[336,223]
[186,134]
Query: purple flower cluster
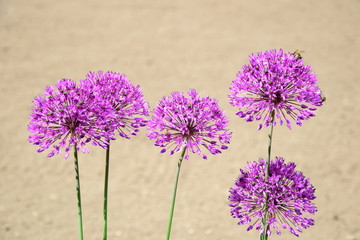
[282,199]
[70,115]
[275,82]
[125,101]
[65,116]
[190,122]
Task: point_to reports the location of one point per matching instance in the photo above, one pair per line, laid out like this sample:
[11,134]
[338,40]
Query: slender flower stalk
[264,225]
[174,194]
[269,146]
[77,176]
[106,190]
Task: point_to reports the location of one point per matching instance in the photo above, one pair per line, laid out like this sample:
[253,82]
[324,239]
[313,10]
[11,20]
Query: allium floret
[125,100]
[275,82]
[67,116]
[282,200]
[191,122]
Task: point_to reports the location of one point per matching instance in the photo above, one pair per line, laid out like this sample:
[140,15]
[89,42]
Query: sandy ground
[166,46]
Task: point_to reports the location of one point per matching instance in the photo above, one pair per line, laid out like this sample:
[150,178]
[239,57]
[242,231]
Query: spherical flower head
[126,102]
[282,200]
[275,83]
[67,116]
[191,122]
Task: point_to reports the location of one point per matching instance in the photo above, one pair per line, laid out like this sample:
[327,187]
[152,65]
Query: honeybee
[297,54]
[323,98]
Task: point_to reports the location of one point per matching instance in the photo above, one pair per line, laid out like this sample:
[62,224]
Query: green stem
[269,147]
[106,190]
[78,193]
[264,226]
[174,194]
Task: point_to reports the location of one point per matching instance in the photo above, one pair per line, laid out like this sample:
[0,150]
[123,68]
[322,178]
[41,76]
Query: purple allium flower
[67,116]
[190,122]
[282,200]
[114,91]
[275,82]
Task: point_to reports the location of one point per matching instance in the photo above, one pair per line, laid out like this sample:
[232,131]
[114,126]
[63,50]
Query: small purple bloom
[67,116]
[191,122]
[277,82]
[287,194]
[125,101]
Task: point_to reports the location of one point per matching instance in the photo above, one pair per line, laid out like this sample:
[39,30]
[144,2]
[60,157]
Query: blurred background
[170,46]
